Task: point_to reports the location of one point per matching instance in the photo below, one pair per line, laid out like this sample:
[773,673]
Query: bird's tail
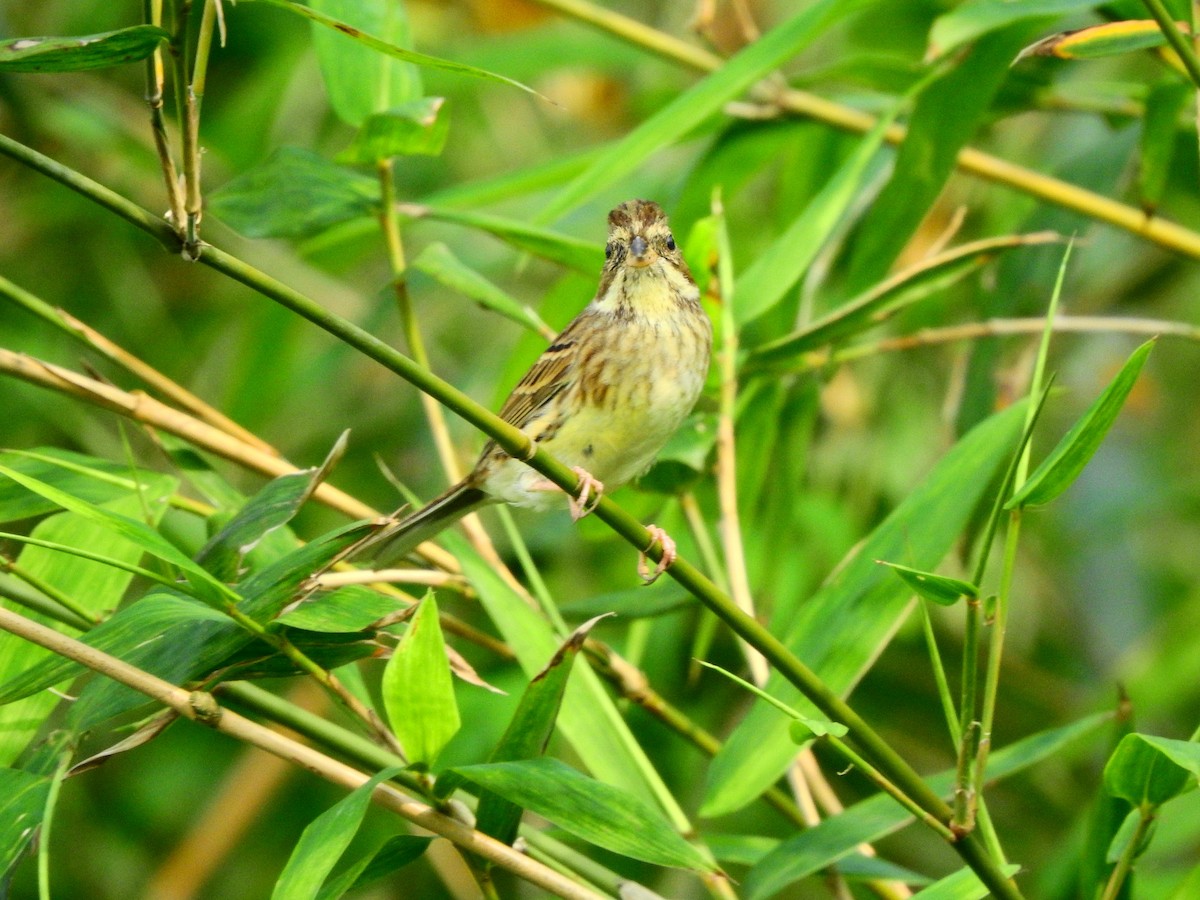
[396,541]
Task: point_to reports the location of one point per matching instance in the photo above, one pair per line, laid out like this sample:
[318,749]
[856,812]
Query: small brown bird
[604,397]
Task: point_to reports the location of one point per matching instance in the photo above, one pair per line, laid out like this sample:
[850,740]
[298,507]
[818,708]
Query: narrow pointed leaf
[77,54]
[962,885]
[1068,458]
[376,43]
[693,106]
[938,589]
[438,261]
[394,853]
[294,193]
[897,292]
[528,733]
[349,608]
[1145,769]
[974,18]
[22,805]
[359,80]
[591,810]
[839,630]
[418,691]
[418,128]
[582,256]
[780,266]
[323,842]
[1106,39]
[869,820]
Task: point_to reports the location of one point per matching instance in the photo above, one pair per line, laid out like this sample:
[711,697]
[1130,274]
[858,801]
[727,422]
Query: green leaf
[591,810]
[869,820]
[839,631]
[528,732]
[1072,453]
[440,263]
[204,585]
[374,42]
[698,103]
[276,504]
[323,842]
[1097,41]
[589,718]
[392,854]
[962,885]
[945,117]
[77,54]
[1125,834]
[777,269]
[881,302]
[360,81]
[582,256]
[140,624]
[802,728]
[86,477]
[936,588]
[1149,770]
[1164,104]
[347,609]
[22,805]
[293,194]
[418,128]
[418,690]
[974,18]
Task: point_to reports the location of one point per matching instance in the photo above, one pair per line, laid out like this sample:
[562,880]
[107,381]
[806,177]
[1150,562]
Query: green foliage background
[1105,584]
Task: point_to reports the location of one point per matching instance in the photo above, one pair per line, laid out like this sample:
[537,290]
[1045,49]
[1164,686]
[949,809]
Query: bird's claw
[590,489]
[669,552]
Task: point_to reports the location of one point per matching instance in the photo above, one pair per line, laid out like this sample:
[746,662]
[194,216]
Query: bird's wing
[553,372]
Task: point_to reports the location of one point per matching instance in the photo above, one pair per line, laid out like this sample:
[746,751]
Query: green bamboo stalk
[1179,43]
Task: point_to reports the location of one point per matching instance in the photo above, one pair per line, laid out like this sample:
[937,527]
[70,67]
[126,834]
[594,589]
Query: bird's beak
[639,252]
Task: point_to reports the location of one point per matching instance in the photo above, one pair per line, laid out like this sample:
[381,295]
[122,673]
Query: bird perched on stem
[603,398]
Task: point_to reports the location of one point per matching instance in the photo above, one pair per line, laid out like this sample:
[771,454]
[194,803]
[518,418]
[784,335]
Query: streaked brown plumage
[606,395]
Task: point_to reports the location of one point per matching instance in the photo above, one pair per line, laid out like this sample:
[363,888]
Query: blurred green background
[1106,592]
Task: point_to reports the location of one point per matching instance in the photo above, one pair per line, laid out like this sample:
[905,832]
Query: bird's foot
[669,552]
[591,489]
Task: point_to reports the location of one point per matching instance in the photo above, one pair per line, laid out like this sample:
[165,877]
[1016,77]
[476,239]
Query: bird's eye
[608,251]
[670,242]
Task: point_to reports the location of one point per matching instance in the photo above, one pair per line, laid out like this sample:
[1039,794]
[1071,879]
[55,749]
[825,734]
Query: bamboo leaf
[1072,453]
[897,292]
[374,42]
[1150,770]
[974,18]
[839,631]
[323,842]
[1106,39]
[392,854]
[418,128]
[440,263]
[870,820]
[347,609]
[1164,104]
[528,733]
[698,103]
[582,256]
[293,194]
[78,54]
[418,690]
[591,810]
[938,589]
[962,885]
[22,805]
[360,81]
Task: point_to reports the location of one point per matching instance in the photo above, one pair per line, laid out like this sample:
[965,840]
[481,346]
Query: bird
[603,398]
